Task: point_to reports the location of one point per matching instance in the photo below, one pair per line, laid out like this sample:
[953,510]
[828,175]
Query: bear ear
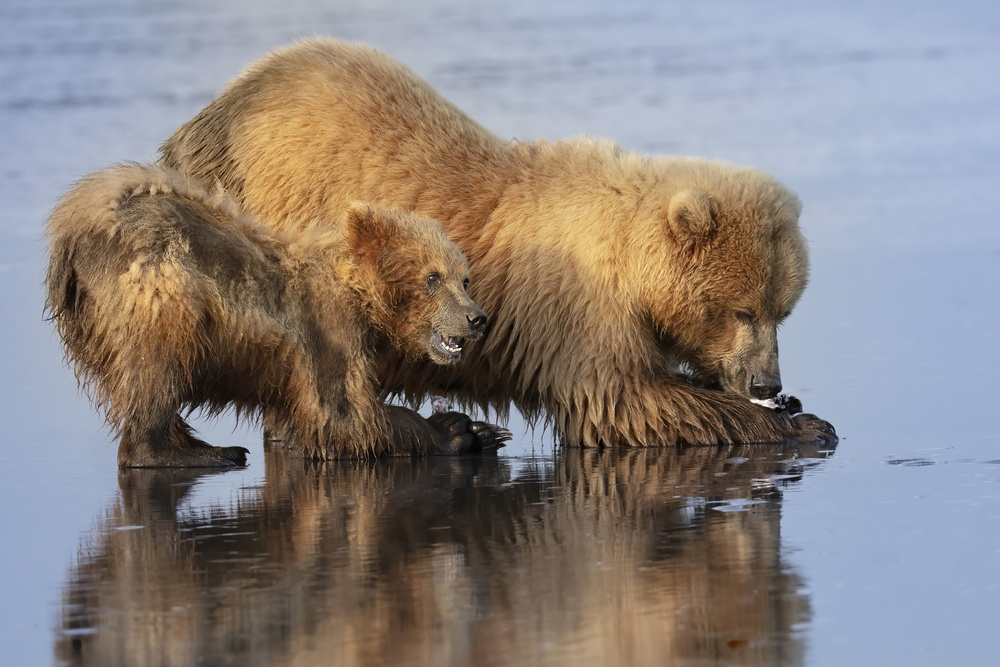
[367,231]
[691,216]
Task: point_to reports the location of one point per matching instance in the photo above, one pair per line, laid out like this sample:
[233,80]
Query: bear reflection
[591,557]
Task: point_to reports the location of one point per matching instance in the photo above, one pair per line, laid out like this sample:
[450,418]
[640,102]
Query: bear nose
[477,321]
[764,388]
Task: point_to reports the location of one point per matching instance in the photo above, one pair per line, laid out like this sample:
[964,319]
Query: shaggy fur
[611,277]
[168,299]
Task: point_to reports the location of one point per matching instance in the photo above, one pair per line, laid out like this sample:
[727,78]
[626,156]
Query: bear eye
[745,316]
[465,284]
[433,279]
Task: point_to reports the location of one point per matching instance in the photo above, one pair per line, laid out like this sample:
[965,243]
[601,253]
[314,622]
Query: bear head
[416,281]
[735,266]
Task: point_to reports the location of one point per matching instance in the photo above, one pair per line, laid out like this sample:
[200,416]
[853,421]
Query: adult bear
[169,298]
[624,290]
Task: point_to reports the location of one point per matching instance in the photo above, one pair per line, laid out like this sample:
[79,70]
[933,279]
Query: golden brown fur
[169,298]
[607,273]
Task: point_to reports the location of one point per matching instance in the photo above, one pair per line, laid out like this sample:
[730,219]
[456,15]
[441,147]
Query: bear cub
[168,298]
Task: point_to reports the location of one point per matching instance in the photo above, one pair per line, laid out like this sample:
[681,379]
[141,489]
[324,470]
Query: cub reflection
[632,557]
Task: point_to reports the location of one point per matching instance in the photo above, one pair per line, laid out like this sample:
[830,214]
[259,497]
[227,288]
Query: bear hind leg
[173,445]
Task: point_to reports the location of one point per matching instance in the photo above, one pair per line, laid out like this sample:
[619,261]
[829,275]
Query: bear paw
[461,435]
[813,430]
[200,456]
[489,437]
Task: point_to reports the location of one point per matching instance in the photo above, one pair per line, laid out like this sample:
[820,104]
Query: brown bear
[634,300]
[168,298]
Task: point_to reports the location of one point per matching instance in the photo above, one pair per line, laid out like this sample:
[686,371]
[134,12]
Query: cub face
[421,279]
[454,317]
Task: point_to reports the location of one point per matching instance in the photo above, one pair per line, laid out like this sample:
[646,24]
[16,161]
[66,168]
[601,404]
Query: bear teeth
[451,344]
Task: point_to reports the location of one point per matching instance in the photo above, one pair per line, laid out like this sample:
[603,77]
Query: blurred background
[881,115]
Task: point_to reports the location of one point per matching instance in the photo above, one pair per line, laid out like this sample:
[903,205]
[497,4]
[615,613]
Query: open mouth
[449,346]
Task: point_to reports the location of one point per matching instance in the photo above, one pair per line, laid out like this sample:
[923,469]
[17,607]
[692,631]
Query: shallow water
[467,561]
[888,550]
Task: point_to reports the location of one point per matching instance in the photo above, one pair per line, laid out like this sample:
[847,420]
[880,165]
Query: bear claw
[465,436]
[237,455]
[489,437]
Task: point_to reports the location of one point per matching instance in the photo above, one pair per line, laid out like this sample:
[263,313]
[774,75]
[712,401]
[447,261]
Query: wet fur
[605,272]
[168,299]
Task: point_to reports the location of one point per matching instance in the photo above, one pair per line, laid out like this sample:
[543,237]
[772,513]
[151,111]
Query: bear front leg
[727,418]
[172,445]
[666,411]
[442,433]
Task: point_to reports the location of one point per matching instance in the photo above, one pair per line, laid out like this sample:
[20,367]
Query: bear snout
[477,322]
[764,387]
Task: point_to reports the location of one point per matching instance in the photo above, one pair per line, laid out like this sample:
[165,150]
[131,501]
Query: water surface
[643,557]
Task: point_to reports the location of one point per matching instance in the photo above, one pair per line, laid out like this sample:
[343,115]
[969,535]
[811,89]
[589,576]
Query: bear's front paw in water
[813,430]
[489,437]
[809,429]
[461,435]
